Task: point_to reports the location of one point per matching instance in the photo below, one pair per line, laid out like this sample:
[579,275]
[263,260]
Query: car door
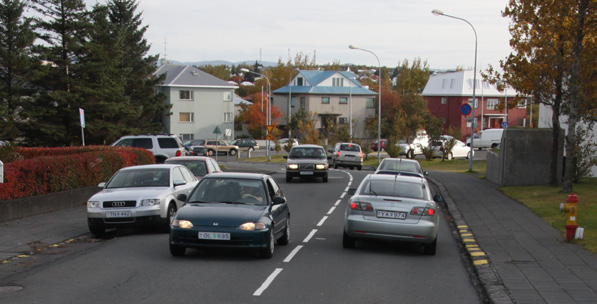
[279,212]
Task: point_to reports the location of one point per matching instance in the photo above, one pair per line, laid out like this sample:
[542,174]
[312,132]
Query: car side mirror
[329,157]
[102,185]
[182,197]
[372,168]
[279,200]
[425,173]
[179,182]
[352,191]
[285,157]
[438,198]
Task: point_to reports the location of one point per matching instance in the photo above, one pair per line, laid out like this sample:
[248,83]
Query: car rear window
[393,188]
[350,147]
[168,142]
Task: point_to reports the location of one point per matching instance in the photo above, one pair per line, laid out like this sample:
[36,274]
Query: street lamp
[290,101]
[354,47]
[440,13]
[268,117]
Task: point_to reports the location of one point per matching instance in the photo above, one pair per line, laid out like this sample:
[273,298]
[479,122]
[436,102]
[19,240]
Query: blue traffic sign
[465,109]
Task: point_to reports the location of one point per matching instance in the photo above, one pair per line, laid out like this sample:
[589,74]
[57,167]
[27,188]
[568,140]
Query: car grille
[119,204]
[307,166]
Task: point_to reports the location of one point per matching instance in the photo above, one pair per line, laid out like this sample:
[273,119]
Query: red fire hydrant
[570,207]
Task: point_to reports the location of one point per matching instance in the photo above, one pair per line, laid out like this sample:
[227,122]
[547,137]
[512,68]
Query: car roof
[152,166]
[244,175]
[186,158]
[307,146]
[396,178]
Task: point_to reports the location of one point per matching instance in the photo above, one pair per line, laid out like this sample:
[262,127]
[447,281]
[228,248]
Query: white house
[200,103]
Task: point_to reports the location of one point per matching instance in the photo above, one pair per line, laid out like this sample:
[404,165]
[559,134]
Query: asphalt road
[136,267]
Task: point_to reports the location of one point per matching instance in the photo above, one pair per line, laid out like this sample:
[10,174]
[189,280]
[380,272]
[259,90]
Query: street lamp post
[440,13]
[354,47]
[268,116]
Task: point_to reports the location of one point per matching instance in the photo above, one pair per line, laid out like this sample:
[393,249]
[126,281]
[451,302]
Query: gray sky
[395,30]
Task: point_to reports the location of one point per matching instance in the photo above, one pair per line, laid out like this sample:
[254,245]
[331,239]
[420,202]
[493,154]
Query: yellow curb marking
[466,234]
[471,245]
[463,231]
[480,262]
[476,254]
[22,256]
[5,261]
[468,240]
[473,249]
[54,245]
[462,226]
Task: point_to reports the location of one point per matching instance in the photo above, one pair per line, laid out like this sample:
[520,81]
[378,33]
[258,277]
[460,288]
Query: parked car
[143,195]
[162,146]
[220,147]
[307,161]
[392,208]
[245,144]
[460,149]
[284,143]
[414,146]
[375,144]
[199,165]
[195,142]
[400,166]
[488,138]
[197,151]
[347,155]
[232,210]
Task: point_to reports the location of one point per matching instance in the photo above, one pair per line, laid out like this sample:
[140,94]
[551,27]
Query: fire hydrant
[570,207]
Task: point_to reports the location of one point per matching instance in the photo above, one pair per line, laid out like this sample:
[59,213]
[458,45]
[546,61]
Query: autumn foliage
[256,114]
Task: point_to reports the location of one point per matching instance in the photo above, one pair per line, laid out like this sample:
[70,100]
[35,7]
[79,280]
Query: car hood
[131,193]
[223,214]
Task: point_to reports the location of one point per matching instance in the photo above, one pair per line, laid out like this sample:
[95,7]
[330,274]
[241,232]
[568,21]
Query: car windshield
[198,167]
[316,153]
[229,191]
[140,178]
[394,188]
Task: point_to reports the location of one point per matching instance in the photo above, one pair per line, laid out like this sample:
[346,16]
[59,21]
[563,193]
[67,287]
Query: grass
[541,200]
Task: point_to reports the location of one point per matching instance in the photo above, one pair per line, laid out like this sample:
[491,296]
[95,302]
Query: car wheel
[288,179]
[285,239]
[97,230]
[211,152]
[232,152]
[450,156]
[176,250]
[325,178]
[410,154]
[160,159]
[268,252]
[169,216]
[468,155]
[430,248]
[347,241]
[335,165]
[360,167]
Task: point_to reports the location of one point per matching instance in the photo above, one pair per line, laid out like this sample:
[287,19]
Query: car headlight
[93,204]
[292,166]
[184,224]
[320,166]
[250,226]
[150,202]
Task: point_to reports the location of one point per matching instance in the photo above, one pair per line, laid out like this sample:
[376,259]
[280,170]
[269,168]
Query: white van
[489,138]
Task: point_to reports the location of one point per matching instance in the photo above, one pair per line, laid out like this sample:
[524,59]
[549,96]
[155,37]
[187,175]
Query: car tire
[97,229]
[160,159]
[335,165]
[468,155]
[176,250]
[288,179]
[347,241]
[268,252]
[285,239]
[359,168]
[430,249]
[410,154]
[325,178]
[232,152]
[211,152]
[169,216]
[450,156]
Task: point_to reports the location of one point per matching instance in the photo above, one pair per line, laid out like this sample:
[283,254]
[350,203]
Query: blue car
[232,210]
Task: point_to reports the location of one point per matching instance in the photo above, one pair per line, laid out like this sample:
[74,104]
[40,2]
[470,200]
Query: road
[136,267]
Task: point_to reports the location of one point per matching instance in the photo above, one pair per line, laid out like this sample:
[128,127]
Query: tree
[17,65]
[308,131]
[256,116]
[413,78]
[220,71]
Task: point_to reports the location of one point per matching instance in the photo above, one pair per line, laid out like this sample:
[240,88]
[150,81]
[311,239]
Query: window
[186,137]
[292,100]
[299,81]
[303,103]
[185,95]
[325,100]
[342,120]
[227,96]
[370,102]
[522,103]
[228,117]
[492,103]
[343,100]
[444,100]
[338,82]
[186,117]
[470,101]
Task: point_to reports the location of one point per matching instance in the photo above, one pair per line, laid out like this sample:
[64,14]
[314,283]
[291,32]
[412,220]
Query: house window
[302,103]
[228,117]
[292,100]
[325,100]
[470,101]
[299,81]
[185,95]
[342,120]
[370,102]
[444,100]
[522,103]
[343,100]
[338,82]
[492,103]
[227,96]
[186,137]
[186,116]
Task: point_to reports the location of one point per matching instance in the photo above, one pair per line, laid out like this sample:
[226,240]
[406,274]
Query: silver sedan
[392,208]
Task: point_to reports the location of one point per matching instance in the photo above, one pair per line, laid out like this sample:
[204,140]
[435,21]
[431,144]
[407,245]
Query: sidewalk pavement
[519,257]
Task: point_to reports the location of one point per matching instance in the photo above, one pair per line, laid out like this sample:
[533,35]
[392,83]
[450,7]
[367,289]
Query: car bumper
[143,217]
[306,173]
[238,239]
[424,232]
[341,162]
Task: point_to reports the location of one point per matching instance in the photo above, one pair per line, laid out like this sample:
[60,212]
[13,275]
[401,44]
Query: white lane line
[267,282]
[331,210]
[343,194]
[347,188]
[337,202]
[322,221]
[306,240]
[293,253]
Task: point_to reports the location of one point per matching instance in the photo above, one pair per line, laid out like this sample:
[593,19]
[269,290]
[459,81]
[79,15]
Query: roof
[188,76]
[461,84]
[244,175]
[313,80]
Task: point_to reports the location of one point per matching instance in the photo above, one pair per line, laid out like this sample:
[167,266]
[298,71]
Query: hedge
[38,171]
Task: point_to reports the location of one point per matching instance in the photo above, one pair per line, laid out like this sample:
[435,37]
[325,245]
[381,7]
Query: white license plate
[391,214]
[306,172]
[349,156]
[214,236]
[124,213]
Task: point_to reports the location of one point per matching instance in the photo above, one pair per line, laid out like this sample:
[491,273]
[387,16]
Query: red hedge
[38,171]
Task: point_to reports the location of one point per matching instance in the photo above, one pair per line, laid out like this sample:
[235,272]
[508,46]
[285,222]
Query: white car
[144,195]
[460,149]
[284,143]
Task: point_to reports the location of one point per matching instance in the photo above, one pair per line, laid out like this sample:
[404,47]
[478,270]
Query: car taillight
[338,154]
[361,206]
[424,211]
[361,154]
[178,153]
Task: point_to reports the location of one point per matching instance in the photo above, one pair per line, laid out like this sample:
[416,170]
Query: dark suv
[162,146]
[245,144]
[307,161]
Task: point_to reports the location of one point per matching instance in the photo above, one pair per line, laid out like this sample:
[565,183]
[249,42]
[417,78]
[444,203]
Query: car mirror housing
[182,197]
[438,198]
[285,157]
[352,191]
[179,182]
[278,200]
[102,185]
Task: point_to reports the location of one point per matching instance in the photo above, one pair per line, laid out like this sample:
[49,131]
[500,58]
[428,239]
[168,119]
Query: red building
[445,93]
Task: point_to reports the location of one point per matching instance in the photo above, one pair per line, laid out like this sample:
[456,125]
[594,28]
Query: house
[200,103]
[333,95]
[445,93]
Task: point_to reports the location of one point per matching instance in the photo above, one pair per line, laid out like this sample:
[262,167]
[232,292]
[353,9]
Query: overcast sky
[395,30]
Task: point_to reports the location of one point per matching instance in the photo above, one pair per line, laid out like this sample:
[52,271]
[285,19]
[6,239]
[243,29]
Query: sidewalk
[520,258]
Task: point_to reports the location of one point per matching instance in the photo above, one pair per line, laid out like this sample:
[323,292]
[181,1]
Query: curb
[493,287]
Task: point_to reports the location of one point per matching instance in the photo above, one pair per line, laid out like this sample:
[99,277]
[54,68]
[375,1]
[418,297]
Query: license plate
[349,156]
[214,236]
[306,172]
[391,214]
[125,213]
